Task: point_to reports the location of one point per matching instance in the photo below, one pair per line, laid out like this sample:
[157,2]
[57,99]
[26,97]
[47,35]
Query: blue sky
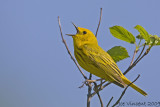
[35,68]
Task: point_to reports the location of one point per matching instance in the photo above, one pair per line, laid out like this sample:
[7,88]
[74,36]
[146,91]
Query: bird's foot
[99,86]
[88,82]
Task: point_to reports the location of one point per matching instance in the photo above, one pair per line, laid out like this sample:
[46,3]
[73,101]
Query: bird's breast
[85,61]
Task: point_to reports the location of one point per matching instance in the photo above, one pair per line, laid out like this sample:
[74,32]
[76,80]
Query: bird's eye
[84,32]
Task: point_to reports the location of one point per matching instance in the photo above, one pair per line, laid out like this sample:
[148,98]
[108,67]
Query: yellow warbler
[95,60]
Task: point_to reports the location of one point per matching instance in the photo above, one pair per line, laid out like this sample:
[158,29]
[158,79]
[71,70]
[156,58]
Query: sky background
[35,68]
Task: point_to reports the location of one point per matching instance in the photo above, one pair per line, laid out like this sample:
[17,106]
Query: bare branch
[100,99]
[97,92]
[69,50]
[124,92]
[90,76]
[135,52]
[88,96]
[140,53]
[136,61]
[147,51]
[99,22]
[109,102]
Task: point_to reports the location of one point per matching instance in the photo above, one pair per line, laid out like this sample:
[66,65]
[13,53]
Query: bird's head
[83,36]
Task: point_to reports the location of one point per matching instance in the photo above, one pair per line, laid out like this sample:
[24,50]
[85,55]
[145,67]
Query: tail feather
[126,81]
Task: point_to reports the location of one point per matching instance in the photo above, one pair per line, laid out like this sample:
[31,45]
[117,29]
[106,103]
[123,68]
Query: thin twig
[136,61]
[109,102]
[89,92]
[69,50]
[99,22]
[135,52]
[90,76]
[124,92]
[88,96]
[97,92]
[140,53]
[147,51]
[100,99]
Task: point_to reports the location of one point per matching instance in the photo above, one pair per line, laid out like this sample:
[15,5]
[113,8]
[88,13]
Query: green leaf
[118,53]
[143,33]
[122,34]
[154,40]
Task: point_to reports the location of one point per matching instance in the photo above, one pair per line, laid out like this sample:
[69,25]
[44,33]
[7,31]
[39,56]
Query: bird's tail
[126,81]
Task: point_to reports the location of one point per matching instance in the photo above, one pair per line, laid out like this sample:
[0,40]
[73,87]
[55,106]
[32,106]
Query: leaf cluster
[119,53]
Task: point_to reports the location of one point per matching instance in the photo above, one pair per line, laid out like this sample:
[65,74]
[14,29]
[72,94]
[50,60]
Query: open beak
[76,29]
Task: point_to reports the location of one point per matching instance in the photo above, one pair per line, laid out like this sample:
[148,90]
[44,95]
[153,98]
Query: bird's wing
[106,64]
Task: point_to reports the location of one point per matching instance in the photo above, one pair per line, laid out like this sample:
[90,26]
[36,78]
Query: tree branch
[140,53]
[135,52]
[89,92]
[136,61]
[97,92]
[109,102]
[99,22]
[100,99]
[69,50]
[89,96]
[124,92]
[147,51]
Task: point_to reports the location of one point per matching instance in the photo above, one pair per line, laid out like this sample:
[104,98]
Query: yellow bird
[95,60]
